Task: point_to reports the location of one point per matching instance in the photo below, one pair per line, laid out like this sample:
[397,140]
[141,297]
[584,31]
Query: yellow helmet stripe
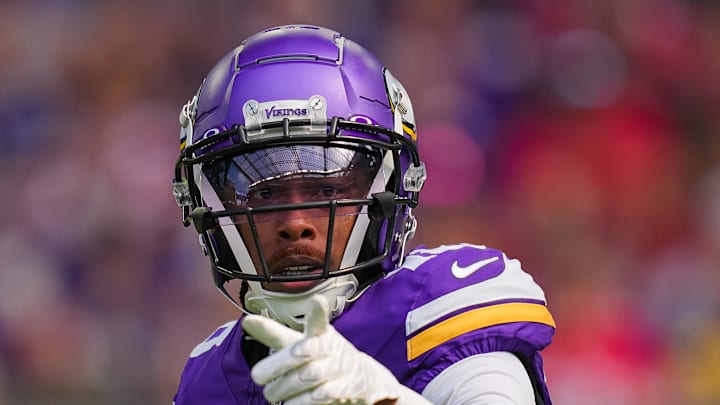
[409,131]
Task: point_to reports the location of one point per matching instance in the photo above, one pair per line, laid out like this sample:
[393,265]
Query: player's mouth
[298,270]
[295,267]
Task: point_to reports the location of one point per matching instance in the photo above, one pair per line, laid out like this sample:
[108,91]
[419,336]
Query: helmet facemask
[276,198]
[345,184]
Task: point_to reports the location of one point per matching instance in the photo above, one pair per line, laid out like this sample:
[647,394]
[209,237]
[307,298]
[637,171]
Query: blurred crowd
[580,136]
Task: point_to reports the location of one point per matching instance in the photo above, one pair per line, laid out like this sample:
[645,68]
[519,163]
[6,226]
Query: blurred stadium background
[580,136]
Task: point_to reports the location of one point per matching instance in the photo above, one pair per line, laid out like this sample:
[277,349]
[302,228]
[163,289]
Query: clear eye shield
[300,176]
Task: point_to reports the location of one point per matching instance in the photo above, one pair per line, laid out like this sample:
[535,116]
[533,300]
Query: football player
[299,169]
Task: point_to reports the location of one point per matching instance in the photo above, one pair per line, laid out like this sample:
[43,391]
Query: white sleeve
[497,378]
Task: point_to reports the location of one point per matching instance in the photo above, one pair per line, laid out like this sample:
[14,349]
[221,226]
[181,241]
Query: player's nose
[296,226]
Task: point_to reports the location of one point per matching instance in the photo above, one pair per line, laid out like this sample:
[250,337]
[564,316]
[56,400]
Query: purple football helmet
[304,104]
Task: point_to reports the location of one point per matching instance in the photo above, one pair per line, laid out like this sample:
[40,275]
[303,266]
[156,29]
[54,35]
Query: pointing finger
[317,318]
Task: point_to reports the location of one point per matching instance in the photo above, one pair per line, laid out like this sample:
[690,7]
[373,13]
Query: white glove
[320,366]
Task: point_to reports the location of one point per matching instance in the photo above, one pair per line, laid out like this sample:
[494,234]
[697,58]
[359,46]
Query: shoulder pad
[467,288]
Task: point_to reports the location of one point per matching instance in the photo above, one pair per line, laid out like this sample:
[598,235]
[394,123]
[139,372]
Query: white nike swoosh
[462,272]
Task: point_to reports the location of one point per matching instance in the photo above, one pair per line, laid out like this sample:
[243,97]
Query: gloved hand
[320,366]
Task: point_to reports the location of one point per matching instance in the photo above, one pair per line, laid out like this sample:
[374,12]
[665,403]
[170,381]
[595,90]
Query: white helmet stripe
[227,227]
[352,250]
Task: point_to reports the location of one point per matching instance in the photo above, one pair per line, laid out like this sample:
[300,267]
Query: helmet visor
[292,174]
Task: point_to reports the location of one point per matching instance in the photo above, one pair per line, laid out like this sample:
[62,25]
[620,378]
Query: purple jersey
[442,305]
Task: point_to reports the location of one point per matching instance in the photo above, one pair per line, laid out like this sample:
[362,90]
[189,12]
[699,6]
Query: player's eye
[328,191]
[265,194]
[262,194]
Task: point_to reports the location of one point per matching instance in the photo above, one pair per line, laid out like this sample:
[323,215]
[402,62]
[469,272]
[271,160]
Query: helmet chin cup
[290,309]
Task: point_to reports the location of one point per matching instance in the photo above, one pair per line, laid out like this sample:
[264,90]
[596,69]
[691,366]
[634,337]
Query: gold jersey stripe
[182,145]
[477,319]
